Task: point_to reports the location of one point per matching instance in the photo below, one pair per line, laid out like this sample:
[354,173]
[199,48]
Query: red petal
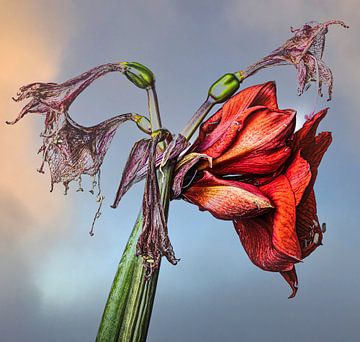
[298,175]
[313,154]
[263,130]
[292,280]
[213,129]
[227,134]
[256,237]
[258,95]
[226,199]
[304,137]
[256,163]
[307,225]
[284,237]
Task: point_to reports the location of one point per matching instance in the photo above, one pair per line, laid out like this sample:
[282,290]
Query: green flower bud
[139,74]
[225,87]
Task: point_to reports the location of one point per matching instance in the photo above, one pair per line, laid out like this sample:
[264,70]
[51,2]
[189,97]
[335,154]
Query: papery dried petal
[54,99]
[183,168]
[136,167]
[137,159]
[227,199]
[304,50]
[74,150]
[153,242]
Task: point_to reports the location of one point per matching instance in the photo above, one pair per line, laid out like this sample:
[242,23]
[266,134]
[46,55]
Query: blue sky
[55,278]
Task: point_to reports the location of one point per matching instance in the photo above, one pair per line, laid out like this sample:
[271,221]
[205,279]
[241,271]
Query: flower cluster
[248,166]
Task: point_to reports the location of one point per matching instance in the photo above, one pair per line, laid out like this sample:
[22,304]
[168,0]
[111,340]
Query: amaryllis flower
[249,166]
[72,150]
[304,50]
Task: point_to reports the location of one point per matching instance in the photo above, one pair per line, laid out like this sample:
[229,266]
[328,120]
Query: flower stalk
[128,309]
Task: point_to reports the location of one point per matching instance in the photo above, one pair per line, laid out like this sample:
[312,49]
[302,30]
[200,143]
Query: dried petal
[136,167]
[54,99]
[304,50]
[183,168]
[74,150]
[153,242]
[137,159]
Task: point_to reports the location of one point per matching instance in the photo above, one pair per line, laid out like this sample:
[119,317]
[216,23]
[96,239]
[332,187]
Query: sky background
[55,278]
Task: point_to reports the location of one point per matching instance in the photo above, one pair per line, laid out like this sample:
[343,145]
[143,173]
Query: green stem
[115,306]
[153,106]
[129,306]
[197,118]
[142,294]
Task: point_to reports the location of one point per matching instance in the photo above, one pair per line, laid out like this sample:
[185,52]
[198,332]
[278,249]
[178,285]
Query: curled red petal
[304,137]
[284,237]
[230,134]
[264,130]
[312,147]
[298,175]
[292,279]
[227,199]
[255,163]
[256,237]
[213,129]
[308,226]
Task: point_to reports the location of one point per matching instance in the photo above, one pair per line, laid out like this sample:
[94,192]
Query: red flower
[261,176]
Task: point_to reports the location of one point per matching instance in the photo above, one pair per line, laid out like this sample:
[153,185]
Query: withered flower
[304,50]
[71,150]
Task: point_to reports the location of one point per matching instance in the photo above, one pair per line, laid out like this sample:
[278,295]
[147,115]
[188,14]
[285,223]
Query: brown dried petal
[74,150]
[136,167]
[54,99]
[153,242]
[183,168]
[304,50]
[137,159]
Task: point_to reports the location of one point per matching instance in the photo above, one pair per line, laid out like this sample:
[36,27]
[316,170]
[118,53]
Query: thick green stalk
[128,309]
[137,315]
[129,306]
[117,301]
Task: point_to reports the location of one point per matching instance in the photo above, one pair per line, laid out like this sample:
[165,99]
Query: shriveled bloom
[304,50]
[255,171]
[71,150]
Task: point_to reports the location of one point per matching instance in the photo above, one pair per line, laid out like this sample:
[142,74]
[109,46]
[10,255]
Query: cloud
[33,46]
